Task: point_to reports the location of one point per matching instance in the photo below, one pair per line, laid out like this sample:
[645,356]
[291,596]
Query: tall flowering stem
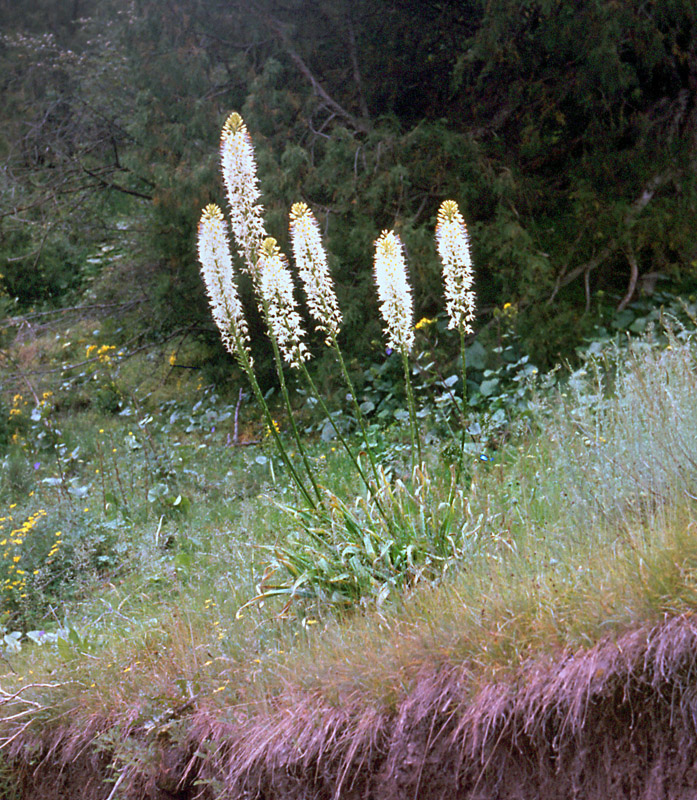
[311,261]
[396,307]
[262,259]
[242,185]
[394,292]
[275,286]
[458,278]
[216,268]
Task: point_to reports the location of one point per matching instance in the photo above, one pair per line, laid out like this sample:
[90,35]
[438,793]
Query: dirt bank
[615,721]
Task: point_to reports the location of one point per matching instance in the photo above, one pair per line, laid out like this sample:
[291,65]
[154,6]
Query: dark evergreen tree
[566,131]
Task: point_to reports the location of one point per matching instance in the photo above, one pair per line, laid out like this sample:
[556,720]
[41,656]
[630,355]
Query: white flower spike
[242,185]
[394,292]
[217,271]
[311,261]
[276,289]
[458,277]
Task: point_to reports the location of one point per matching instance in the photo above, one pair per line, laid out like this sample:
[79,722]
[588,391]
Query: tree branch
[633,278]
[353,50]
[115,186]
[630,217]
[277,29]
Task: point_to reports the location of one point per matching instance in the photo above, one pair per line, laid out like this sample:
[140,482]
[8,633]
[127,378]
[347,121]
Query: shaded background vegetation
[143,519]
[566,131]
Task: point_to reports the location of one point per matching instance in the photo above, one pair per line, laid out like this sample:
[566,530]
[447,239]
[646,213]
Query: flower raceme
[311,261]
[216,268]
[394,292]
[242,185]
[273,283]
[282,318]
[454,252]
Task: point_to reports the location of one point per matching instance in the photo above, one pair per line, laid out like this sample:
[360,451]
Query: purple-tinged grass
[558,661]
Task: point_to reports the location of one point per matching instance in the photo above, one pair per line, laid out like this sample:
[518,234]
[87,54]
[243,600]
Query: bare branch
[353,50]
[633,278]
[20,320]
[630,217]
[277,28]
[115,186]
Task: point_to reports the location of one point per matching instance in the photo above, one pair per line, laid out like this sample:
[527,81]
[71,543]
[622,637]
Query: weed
[390,540]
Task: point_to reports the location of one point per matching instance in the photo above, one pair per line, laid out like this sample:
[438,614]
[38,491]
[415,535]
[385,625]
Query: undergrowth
[144,528]
[582,524]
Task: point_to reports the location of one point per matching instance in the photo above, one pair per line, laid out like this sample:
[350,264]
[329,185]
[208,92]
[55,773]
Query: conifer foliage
[566,132]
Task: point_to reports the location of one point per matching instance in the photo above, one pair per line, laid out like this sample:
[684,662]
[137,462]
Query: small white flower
[454,252]
[216,268]
[311,261]
[242,185]
[394,292]
[276,290]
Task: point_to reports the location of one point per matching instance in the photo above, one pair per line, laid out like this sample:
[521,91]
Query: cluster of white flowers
[282,318]
[311,261]
[242,185]
[216,268]
[454,251]
[272,279]
[394,292]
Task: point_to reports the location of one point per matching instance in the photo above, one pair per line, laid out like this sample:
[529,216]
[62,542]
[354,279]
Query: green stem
[342,439]
[289,408]
[243,357]
[356,409]
[415,438]
[461,462]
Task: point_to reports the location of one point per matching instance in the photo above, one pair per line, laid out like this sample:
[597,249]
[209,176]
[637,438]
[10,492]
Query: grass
[580,528]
